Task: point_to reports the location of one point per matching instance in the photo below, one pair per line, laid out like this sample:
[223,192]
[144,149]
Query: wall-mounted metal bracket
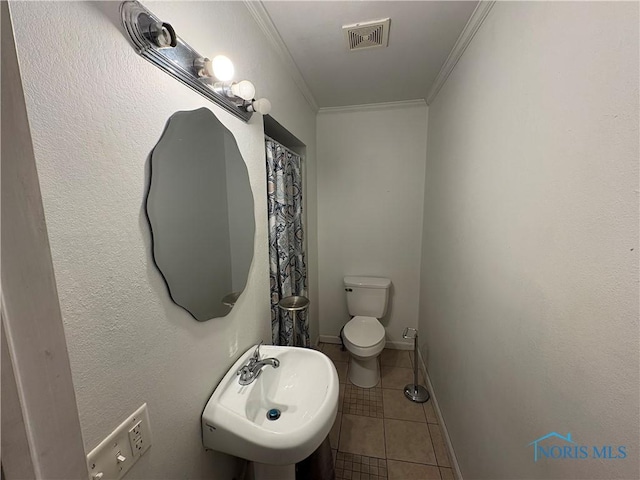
[156,41]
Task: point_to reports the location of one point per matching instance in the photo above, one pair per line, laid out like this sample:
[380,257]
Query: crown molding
[468,32]
[262,18]
[374,106]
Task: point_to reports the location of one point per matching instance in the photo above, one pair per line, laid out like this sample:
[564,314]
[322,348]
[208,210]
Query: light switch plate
[117,453]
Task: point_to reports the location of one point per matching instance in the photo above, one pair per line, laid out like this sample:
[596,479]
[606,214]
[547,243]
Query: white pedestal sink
[304,389]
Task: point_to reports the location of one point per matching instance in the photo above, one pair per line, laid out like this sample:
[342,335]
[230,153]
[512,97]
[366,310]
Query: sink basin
[304,388]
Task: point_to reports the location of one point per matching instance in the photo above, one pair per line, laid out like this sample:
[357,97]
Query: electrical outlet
[136,439]
[117,453]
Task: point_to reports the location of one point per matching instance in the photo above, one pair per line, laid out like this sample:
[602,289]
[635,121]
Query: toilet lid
[364,331]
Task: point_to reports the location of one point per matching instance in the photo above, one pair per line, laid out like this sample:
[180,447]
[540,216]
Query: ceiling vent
[367,34]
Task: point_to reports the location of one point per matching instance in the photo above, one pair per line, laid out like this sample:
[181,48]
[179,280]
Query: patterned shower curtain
[288,271]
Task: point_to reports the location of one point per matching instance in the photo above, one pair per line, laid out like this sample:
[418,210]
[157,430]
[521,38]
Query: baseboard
[436,407]
[399,345]
[329,339]
[389,344]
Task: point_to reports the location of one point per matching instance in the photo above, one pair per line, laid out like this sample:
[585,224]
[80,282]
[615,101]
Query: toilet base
[364,372]
[262,471]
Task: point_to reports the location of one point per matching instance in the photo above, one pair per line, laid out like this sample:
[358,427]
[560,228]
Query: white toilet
[364,335]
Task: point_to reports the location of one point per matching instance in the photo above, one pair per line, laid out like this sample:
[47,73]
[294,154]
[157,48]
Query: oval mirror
[200,208]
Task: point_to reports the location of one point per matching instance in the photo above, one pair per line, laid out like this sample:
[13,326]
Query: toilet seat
[364,336]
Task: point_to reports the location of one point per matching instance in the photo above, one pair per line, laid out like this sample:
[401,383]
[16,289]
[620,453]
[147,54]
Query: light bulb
[222,68]
[243,89]
[261,106]
[204,67]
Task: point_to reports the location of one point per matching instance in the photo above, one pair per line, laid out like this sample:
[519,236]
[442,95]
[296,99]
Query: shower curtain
[288,271]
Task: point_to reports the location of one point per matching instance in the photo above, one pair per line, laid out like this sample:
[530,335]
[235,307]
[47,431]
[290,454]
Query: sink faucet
[252,370]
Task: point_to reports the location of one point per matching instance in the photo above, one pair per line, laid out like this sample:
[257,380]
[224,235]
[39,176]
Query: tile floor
[379,434]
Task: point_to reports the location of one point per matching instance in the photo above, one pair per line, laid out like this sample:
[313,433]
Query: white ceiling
[421,36]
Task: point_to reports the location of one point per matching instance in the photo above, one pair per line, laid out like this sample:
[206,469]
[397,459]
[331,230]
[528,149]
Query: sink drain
[273,414]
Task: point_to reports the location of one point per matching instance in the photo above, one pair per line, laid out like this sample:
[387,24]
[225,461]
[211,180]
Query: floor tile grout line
[437,467]
[384,434]
[446,450]
[434,448]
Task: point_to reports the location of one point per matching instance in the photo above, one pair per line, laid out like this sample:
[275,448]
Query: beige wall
[96,109]
[529,294]
[370,191]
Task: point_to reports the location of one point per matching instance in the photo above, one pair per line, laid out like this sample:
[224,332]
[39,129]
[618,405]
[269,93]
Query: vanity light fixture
[158,42]
[261,106]
[162,34]
[220,67]
[223,68]
[243,89]
[203,67]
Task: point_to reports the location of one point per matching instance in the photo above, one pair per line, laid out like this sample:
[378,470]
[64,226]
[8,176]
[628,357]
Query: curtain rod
[285,148]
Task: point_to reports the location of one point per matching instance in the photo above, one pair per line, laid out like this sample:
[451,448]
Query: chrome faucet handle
[246,369]
[256,353]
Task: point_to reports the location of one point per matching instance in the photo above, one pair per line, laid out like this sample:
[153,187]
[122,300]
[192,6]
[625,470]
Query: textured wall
[529,294]
[96,110]
[370,193]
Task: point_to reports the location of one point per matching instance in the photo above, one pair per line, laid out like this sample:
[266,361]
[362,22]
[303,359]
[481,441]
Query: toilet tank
[367,296]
